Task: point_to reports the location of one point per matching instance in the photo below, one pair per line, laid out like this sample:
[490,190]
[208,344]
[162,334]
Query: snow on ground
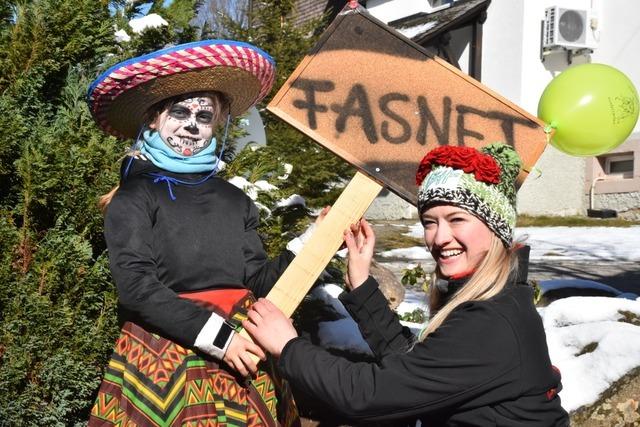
[575,324]
[265,186]
[583,243]
[413,300]
[416,253]
[342,333]
[560,243]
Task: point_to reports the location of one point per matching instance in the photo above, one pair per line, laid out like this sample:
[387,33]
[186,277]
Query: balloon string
[529,169]
[549,130]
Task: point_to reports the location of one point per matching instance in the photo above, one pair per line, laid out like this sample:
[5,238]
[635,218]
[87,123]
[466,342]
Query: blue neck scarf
[161,155]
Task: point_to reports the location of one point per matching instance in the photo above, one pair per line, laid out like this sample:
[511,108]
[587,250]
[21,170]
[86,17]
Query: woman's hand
[360,240]
[269,327]
[238,355]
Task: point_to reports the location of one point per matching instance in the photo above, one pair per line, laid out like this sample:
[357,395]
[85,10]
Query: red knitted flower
[483,166]
[486,169]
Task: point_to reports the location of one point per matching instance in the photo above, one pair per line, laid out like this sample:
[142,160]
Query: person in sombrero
[183,247]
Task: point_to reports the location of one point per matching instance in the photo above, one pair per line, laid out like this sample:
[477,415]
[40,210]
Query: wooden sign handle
[295,282]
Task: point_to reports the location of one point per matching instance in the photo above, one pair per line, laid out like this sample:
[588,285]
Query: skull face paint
[187,126]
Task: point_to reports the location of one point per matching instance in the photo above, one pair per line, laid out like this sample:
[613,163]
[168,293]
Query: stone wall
[388,206]
[626,204]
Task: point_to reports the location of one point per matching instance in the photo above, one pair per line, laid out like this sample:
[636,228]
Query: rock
[629,410]
[619,406]
[389,284]
[632,214]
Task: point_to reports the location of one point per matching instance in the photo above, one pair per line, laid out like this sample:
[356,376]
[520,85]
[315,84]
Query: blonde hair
[489,279]
[218,100]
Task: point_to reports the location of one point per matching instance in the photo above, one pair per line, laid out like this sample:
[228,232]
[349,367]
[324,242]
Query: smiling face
[186,126]
[457,240]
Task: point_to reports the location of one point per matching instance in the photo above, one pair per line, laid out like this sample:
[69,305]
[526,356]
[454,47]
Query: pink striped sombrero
[120,97]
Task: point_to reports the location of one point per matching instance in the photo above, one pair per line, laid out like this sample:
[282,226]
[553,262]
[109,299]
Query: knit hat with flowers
[479,181]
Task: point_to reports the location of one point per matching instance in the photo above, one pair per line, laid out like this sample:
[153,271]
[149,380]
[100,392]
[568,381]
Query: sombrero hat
[119,97]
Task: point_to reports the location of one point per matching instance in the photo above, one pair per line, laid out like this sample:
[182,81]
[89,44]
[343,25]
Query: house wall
[611,191]
[388,206]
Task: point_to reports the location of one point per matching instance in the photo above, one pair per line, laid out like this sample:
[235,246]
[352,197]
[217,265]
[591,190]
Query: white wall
[502,50]
[619,46]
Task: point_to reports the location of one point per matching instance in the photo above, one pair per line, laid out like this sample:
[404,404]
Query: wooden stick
[299,277]
[302,273]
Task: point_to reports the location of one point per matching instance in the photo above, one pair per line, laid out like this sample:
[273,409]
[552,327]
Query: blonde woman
[483,358]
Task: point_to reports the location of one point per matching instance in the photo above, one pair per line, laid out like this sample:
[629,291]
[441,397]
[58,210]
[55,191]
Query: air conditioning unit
[567,28]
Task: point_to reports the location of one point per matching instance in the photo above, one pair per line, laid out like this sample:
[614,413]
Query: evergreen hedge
[57,300]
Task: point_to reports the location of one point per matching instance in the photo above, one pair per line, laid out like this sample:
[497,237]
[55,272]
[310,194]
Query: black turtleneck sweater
[158,247]
[487,365]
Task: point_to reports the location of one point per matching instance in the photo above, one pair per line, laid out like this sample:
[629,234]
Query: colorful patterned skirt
[151,381]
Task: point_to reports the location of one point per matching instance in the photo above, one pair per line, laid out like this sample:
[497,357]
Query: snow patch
[344,332]
[122,36]
[411,32]
[413,300]
[591,325]
[152,20]
[413,253]
[292,200]
[252,189]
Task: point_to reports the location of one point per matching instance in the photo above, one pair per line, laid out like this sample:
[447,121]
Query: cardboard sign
[381,102]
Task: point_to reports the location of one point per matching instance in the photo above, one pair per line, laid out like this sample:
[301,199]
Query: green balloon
[592,107]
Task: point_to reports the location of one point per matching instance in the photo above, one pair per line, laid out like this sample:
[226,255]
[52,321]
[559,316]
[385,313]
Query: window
[619,165]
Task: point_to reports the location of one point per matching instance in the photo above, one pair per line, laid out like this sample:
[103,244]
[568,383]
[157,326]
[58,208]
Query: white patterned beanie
[479,181]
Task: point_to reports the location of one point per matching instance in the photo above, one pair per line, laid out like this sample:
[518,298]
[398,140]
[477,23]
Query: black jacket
[204,239]
[487,365]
